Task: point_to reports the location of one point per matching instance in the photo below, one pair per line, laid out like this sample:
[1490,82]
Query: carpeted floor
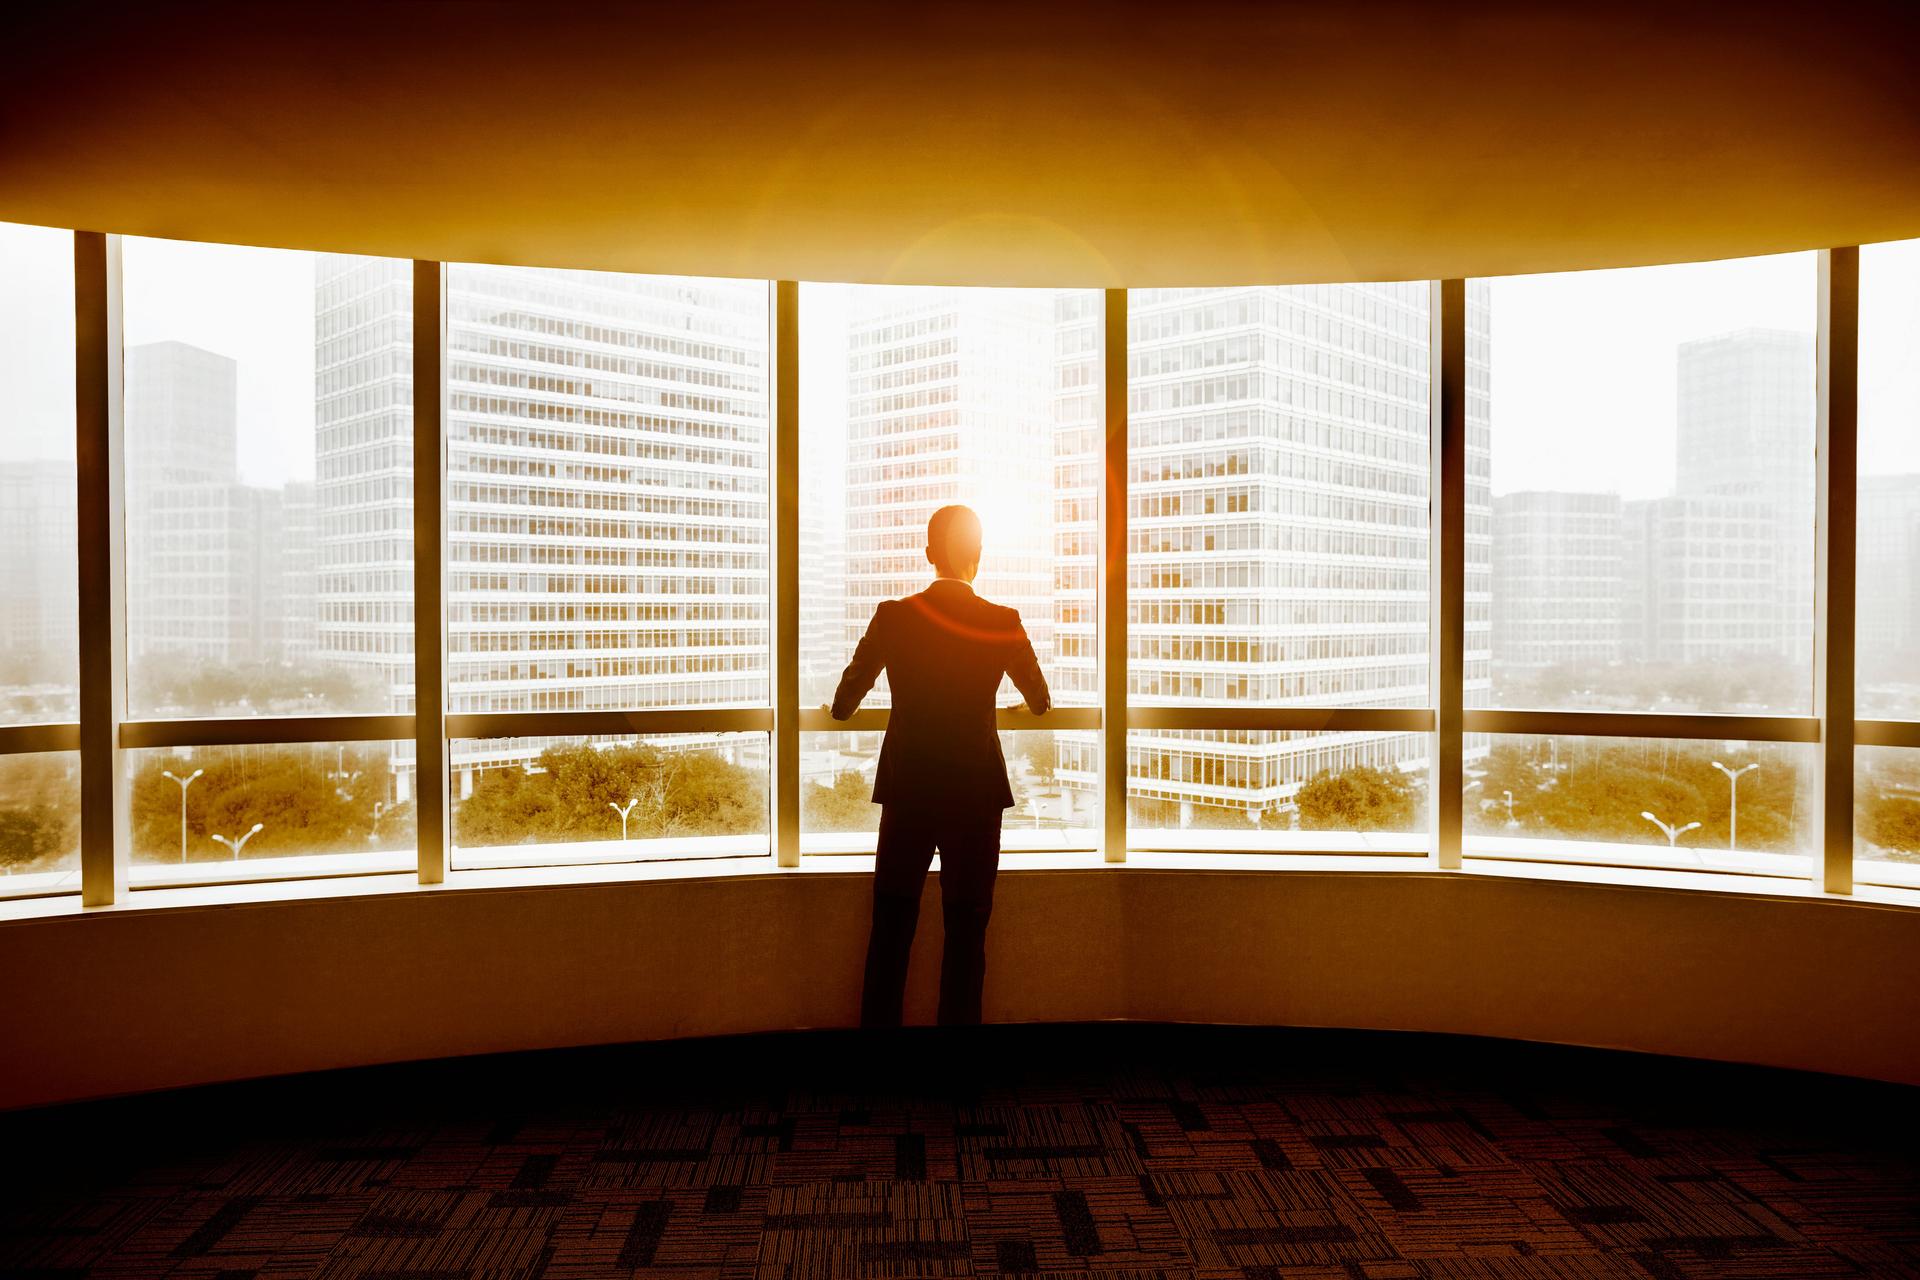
[1064,1152]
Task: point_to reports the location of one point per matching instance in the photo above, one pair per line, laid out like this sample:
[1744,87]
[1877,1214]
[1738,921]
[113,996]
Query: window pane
[1653,477]
[521,802]
[915,398]
[1279,461]
[269,422]
[1715,806]
[310,809]
[1889,533]
[39,668]
[1886,815]
[1266,792]
[1054,776]
[607,522]
[40,823]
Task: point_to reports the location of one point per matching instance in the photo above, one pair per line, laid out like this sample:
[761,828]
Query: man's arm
[1024,668]
[869,659]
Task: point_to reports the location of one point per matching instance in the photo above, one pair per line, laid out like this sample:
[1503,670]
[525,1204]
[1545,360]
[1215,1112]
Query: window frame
[103,729]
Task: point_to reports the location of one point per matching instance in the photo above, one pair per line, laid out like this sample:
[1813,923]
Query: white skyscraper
[1557,579]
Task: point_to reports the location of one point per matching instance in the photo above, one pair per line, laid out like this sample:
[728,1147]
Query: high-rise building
[1745,430]
[1279,466]
[363,472]
[1888,617]
[38,579]
[218,571]
[1701,580]
[1557,579]
[950,399]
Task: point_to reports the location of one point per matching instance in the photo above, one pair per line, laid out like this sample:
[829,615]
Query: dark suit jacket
[944,651]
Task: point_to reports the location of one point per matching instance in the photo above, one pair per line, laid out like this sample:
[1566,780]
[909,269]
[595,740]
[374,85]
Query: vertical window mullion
[784,510]
[99,448]
[1836,480]
[1446,604]
[1113,591]
[432,798]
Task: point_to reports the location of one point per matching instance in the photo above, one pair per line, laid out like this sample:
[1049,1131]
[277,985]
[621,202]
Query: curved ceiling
[986,142]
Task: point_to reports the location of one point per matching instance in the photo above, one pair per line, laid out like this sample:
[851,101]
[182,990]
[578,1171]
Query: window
[1652,471]
[606,491]
[1887,621]
[39,823]
[39,668]
[536,802]
[269,429]
[1278,472]
[1886,815]
[914,398]
[305,809]
[1706,806]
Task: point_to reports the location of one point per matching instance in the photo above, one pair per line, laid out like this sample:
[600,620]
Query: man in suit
[942,782]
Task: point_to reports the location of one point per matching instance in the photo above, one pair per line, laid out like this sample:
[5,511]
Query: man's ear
[931,560]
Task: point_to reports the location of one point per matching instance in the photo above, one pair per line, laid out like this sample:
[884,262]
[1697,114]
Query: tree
[569,793]
[846,805]
[39,811]
[1042,753]
[308,799]
[1358,799]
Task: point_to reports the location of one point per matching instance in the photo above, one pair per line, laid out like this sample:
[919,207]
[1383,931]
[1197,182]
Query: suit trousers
[969,846]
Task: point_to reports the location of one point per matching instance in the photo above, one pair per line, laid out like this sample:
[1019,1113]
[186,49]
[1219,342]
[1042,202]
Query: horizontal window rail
[250,731]
[1285,719]
[1007,719]
[583,724]
[1886,733]
[17,739]
[1634,724]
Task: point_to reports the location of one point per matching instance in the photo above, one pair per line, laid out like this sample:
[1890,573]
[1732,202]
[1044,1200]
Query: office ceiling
[985,142]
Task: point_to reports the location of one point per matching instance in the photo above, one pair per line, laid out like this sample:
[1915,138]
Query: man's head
[953,542]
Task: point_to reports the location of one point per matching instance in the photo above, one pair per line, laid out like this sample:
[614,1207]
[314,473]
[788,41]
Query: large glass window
[1653,488]
[914,398]
[607,523]
[269,427]
[1278,473]
[1887,621]
[39,666]
[1886,815]
[39,823]
[284,811]
[1704,806]
[530,802]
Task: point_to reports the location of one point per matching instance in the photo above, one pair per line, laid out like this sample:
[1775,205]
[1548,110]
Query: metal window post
[432,798]
[1113,584]
[1836,485]
[100,476]
[785,581]
[1447,600]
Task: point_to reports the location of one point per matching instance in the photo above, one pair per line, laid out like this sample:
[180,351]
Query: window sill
[355,882]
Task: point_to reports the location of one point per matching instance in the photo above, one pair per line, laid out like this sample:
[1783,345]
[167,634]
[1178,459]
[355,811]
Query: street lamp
[623,815]
[1509,796]
[1672,834]
[379,807]
[1733,797]
[241,843]
[184,784]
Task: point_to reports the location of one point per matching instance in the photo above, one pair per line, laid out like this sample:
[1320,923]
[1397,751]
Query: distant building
[218,571]
[1888,617]
[1702,581]
[1745,430]
[1558,581]
[38,575]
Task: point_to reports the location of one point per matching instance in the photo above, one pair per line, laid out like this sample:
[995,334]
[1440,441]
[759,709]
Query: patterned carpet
[1067,1152]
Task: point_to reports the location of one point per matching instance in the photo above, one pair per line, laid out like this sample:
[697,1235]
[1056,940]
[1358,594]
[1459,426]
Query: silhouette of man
[942,782]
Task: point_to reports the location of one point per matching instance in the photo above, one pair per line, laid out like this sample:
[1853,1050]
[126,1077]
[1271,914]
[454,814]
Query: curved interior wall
[128,999]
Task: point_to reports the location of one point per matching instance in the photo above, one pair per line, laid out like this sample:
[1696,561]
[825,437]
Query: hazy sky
[1583,364]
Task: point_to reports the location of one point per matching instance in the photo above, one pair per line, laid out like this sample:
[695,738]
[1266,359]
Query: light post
[379,807]
[241,843]
[184,784]
[1672,834]
[1509,796]
[623,815]
[1733,797]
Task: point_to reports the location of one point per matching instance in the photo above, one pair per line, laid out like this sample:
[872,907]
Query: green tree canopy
[1358,799]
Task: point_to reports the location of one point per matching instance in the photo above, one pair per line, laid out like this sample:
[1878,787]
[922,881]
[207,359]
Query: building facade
[1558,580]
